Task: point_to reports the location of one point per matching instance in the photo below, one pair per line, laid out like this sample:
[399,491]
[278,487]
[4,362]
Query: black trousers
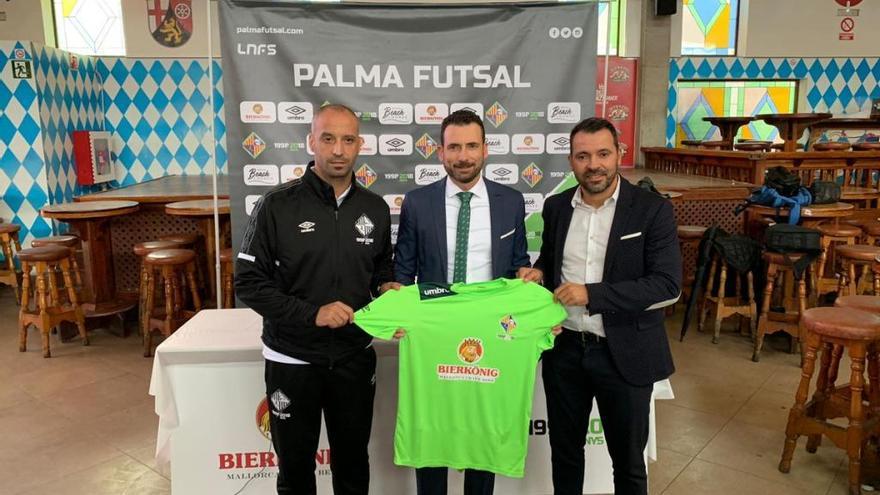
[297,395]
[432,481]
[576,370]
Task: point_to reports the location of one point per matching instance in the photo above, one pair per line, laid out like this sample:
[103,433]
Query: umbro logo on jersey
[306,227]
[280,402]
[433,291]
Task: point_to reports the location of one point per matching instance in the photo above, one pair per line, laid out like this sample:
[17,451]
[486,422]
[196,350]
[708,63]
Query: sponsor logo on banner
[508,325]
[503,173]
[532,175]
[428,174]
[395,113]
[470,351]
[558,144]
[618,113]
[257,112]
[395,201]
[370,145]
[559,174]
[530,115]
[496,114]
[364,226]
[258,49]
[431,113]
[263,419]
[366,116]
[619,74]
[261,175]
[292,171]
[534,202]
[365,176]
[295,112]
[395,144]
[426,146]
[290,146]
[498,144]
[170,21]
[564,112]
[249,202]
[565,32]
[402,177]
[253,144]
[476,108]
[527,144]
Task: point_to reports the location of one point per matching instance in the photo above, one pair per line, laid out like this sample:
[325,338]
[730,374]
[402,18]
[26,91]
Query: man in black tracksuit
[316,250]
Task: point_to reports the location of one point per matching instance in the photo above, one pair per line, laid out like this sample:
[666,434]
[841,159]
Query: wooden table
[792,125]
[729,126]
[841,124]
[811,215]
[866,195]
[91,221]
[165,190]
[203,210]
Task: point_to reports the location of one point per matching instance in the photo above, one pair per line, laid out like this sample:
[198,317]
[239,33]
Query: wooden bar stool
[189,241]
[142,249]
[830,329]
[867,303]
[8,240]
[226,275]
[866,146]
[49,309]
[773,321]
[724,305]
[689,237]
[831,146]
[69,241]
[840,234]
[171,265]
[754,146]
[850,257]
[871,230]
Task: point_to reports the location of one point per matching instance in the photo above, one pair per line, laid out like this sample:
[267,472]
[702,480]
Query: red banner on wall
[621,97]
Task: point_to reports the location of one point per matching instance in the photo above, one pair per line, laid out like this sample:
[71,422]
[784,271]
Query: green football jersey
[467,369]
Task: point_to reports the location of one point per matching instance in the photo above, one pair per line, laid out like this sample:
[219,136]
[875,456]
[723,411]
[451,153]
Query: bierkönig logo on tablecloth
[469,351]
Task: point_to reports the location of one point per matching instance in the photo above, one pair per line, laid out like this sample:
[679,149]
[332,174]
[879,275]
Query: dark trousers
[576,370]
[432,481]
[345,395]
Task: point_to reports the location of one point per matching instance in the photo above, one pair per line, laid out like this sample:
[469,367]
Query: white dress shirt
[583,258]
[479,257]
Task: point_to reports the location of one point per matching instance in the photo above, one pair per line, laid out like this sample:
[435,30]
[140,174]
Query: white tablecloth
[208,383]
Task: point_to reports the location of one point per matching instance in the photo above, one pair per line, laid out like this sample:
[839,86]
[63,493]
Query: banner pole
[213,141]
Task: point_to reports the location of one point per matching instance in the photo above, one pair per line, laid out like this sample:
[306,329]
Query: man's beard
[592,187]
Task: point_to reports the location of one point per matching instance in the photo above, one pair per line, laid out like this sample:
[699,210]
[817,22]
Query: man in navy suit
[460,229]
[610,254]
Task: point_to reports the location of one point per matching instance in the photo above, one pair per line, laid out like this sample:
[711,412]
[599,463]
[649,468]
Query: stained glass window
[90,27]
[698,99]
[708,27]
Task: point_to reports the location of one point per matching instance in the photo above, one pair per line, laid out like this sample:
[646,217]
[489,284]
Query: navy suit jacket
[642,275]
[421,237]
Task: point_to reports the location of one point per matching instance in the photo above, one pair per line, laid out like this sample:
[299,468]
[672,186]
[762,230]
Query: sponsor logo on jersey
[469,351]
[433,291]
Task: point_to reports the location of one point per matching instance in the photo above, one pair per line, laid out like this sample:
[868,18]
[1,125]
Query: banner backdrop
[529,71]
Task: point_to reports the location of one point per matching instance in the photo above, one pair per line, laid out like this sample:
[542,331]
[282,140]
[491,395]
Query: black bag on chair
[783,181]
[786,239]
[825,192]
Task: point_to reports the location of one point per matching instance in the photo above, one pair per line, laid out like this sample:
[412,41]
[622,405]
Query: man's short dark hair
[462,118]
[593,125]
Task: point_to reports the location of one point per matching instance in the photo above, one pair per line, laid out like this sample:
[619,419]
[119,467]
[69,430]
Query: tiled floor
[82,422]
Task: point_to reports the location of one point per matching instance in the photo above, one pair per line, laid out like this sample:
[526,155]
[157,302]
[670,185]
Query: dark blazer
[421,235]
[642,275]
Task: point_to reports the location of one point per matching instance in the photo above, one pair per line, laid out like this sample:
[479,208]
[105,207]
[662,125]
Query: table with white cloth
[213,421]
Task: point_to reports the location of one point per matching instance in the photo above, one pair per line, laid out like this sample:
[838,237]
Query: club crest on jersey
[365,227]
[508,325]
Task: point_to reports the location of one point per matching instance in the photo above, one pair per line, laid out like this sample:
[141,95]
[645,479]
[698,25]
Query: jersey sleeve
[547,314]
[385,314]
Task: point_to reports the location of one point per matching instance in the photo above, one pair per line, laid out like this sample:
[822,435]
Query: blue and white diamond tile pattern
[70,100]
[22,169]
[836,85]
[158,112]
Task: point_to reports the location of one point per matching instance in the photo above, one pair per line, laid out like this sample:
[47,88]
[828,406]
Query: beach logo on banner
[170,21]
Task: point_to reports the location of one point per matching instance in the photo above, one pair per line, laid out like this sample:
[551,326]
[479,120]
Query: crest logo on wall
[170,21]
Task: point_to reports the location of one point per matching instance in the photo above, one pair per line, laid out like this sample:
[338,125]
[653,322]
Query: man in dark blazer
[460,229]
[610,254]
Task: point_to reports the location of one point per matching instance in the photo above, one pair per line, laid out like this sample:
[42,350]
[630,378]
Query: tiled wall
[157,110]
[23,180]
[836,85]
